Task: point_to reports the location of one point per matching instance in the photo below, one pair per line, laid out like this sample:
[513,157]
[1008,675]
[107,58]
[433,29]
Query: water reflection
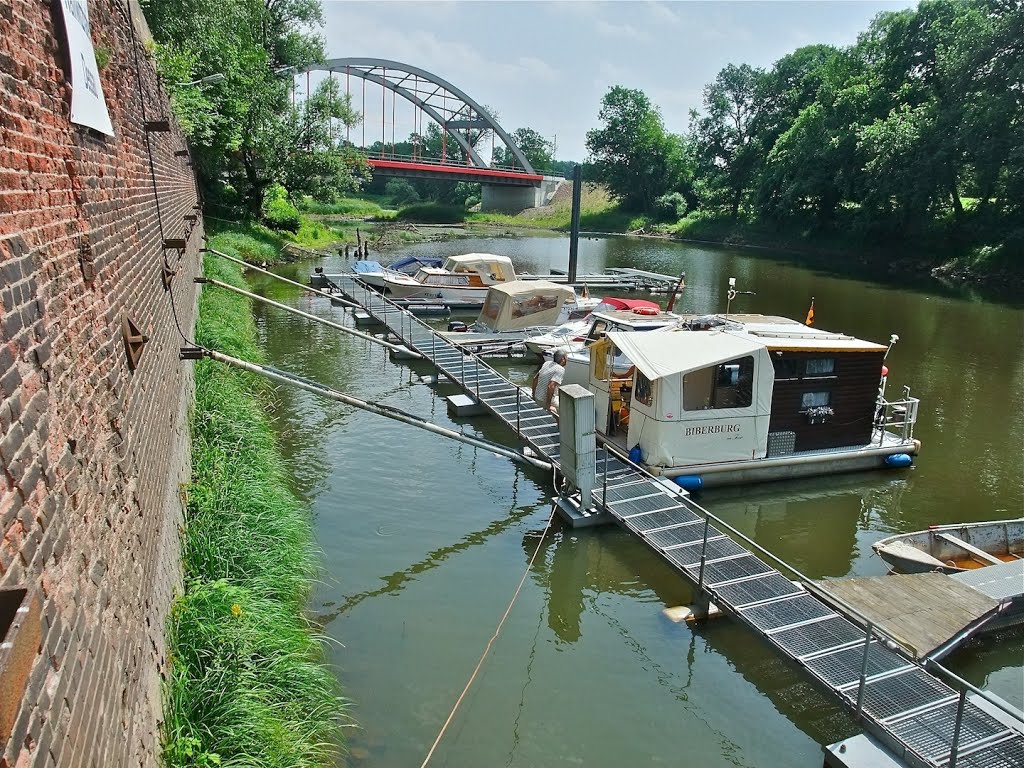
[586,640]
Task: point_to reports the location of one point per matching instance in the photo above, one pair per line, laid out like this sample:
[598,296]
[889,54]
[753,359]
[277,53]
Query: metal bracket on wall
[134,341]
[175,243]
[167,274]
[158,126]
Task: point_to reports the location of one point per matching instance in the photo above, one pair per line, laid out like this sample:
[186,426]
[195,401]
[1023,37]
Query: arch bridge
[463,124]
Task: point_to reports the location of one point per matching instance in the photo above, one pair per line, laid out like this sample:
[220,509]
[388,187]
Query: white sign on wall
[88,107]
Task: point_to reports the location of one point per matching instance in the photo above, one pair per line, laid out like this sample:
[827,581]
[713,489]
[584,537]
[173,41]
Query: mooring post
[574,231]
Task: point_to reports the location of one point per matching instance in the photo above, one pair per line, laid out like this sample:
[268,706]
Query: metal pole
[604,486]
[864,669]
[299,312]
[703,554]
[519,397]
[383,110]
[348,102]
[574,232]
[381,410]
[955,748]
[307,288]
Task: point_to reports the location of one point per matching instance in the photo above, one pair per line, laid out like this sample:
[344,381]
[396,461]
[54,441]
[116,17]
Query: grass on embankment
[247,684]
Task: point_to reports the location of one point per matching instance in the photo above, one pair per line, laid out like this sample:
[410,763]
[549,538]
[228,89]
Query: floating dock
[933,614]
[917,717]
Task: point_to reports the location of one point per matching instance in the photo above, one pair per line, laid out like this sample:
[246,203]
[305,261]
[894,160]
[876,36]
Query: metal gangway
[918,716]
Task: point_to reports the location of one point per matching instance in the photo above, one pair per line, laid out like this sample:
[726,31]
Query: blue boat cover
[360,267]
[414,261]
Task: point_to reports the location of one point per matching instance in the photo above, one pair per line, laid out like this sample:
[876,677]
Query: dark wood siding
[853,388]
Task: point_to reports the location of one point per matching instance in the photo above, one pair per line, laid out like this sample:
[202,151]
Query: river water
[425,540]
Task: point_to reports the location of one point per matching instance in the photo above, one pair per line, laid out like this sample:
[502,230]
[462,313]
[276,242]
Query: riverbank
[248,684]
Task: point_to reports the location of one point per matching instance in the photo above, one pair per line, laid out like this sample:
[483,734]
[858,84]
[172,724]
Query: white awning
[658,355]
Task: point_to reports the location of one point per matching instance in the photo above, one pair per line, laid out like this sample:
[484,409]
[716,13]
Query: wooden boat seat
[981,555]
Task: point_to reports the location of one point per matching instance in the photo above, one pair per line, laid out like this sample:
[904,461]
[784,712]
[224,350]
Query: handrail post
[703,554]
[604,488]
[519,397]
[864,668]
[955,747]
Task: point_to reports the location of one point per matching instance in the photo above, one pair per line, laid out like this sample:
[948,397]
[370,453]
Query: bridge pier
[504,198]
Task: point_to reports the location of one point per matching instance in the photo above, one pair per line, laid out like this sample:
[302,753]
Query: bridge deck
[908,708]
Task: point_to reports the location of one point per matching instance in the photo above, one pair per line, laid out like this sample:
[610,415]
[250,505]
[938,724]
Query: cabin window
[597,331]
[785,368]
[643,389]
[727,385]
[815,399]
[820,366]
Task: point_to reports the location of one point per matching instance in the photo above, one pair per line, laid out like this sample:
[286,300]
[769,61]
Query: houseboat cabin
[753,401]
[521,304]
[460,278]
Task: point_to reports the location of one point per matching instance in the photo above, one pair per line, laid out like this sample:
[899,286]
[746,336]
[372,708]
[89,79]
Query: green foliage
[244,130]
[401,192]
[278,212]
[632,153]
[538,151]
[432,213]
[472,201]
[882,140]
[350,206]
[247,685]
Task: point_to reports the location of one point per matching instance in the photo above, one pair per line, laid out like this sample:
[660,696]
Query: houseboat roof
[658,355]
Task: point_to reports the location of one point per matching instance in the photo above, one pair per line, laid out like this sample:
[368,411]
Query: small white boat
[520,309]
[373,272]
[461,279]
[954,548]
[608,314]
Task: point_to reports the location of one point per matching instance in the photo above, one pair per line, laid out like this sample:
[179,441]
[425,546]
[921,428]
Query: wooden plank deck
[922,610]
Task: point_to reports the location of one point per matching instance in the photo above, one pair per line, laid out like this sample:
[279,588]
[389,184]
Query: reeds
[247,683]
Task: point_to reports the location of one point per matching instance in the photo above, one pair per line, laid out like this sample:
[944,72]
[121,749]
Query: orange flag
[810,314]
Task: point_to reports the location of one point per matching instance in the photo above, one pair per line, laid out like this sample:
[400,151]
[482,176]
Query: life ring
[645,311]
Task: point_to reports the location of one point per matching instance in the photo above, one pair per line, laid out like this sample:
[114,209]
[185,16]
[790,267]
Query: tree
[244,130]
[726,145]
[538,151]
[632,153]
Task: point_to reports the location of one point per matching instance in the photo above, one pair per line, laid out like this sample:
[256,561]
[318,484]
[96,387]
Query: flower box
[819,414]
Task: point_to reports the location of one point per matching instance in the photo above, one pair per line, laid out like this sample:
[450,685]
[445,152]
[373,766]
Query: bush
[472,201]
[432,213]
[401,192]
[671,207]
[278,212]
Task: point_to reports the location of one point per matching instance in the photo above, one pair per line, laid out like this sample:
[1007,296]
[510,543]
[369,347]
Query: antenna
[892,343]
[733,293]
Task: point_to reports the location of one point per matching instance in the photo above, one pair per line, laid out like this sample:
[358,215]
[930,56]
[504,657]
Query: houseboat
[461,279]
[732,400]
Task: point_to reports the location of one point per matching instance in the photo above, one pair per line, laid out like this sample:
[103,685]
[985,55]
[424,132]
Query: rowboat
[954,548]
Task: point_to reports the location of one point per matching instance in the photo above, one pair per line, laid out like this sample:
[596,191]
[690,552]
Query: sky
[546,65]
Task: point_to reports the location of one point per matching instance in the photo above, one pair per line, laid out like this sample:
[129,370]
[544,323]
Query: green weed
[247,683]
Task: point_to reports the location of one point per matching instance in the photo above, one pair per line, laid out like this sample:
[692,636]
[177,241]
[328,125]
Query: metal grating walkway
[913,712]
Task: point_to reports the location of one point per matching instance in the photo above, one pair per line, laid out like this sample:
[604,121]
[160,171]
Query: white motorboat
[460,279]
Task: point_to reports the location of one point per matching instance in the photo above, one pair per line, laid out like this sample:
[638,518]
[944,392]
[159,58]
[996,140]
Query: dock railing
[871,632]
[901,414]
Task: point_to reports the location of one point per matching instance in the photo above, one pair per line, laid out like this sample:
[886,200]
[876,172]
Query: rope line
[487,648]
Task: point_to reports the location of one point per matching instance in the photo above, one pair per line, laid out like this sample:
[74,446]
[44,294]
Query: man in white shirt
[548,379]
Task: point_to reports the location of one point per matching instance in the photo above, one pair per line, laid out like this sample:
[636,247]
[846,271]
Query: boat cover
[498,268]
[367,267]
[612,302]
[410,264]
[660,355]
[520,304]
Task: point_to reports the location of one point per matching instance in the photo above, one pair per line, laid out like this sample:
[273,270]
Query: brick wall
[92,453]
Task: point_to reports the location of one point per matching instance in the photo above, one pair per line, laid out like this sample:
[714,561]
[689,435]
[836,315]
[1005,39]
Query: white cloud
[618,31]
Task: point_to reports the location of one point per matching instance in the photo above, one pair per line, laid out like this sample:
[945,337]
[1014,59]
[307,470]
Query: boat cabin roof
[626,318]
[658,355]
[519,304]
[468,261]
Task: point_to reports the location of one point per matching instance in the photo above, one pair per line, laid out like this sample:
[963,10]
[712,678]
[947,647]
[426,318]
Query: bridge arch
[448,106]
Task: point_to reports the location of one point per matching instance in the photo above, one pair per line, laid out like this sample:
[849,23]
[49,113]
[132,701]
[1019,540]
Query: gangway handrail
[954,678]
